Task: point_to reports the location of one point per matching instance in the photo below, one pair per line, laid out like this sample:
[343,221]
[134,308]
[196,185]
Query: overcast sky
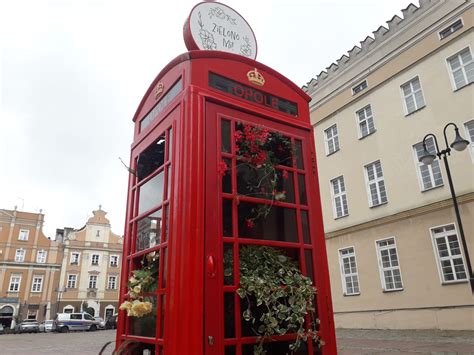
[73,73]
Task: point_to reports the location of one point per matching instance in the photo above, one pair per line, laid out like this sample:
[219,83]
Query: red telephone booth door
[229,207]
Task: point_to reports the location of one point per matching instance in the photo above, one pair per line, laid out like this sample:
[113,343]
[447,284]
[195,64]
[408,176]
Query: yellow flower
[139,308]
[126,306]
[137,289]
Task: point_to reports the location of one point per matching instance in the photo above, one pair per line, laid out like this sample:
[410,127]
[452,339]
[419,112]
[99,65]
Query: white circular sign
[215,26]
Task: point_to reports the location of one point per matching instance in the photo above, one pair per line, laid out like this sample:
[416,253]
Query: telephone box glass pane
[149,231]
[151,158]
[227,217]
[230,350]
[279,223]
[225,136]
[151,193]
[305,227]
[229,315]
[299,154]
[163,303]
[262,183]
[170,144]
[144,326]
[253,143]
[227,177]
[309,264]
[302,189]
[228,264]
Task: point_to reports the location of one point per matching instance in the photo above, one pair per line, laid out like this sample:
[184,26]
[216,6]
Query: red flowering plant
[259,152]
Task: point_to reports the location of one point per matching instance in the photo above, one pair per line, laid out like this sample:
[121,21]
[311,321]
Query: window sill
[432,188]
[380,204]
[367,135]
[413,112]
[336,218]
[351,294]
[447,283]
[328,154]
[464,86]
[394,290]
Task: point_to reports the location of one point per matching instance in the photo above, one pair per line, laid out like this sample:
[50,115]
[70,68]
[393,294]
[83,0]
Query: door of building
[240,211]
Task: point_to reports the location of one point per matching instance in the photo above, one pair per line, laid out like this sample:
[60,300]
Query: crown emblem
[159,89]
[255,77]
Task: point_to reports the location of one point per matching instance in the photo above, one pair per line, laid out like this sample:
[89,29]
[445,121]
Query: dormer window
[451,29]
[358,88]
[23,234]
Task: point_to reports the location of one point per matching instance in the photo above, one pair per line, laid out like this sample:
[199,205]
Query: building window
[365,121]
[37,284]
[112,283]
[388,265]
[68,309]
[20,255]
[462,68]
[358,88]
[350,278]
[448,253]
[429,175]
[331,138]
[451,29]
[375,184]
[469,126]
[71,281]
[15,281]
[95,259]
[114,260]
[97,233]
[413,96]
[92,281]
[32,314]
[75,258]
[41,256]
[339,197]
[23,234]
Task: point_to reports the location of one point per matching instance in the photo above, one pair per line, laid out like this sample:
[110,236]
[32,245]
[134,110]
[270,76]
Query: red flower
[285,174]
[222,168]
[249,223]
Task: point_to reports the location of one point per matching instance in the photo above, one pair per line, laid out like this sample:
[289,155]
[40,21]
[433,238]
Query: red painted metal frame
[188,286]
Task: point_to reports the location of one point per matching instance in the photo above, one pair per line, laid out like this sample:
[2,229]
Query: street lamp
[458,144]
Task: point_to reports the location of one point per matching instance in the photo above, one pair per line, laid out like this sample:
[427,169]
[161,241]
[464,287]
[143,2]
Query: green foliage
[279,297]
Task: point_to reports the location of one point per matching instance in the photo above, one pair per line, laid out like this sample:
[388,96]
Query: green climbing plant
[278,296]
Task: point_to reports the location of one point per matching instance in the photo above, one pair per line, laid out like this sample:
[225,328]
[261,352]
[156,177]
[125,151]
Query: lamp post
[458,144]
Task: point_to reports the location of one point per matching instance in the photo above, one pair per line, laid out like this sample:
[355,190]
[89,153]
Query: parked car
[28,326]
[64,322]
[101,322]
[111,322]
[46,326]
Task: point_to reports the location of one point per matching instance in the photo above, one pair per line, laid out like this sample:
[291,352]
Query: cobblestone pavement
[349,341]
[361,342]
[73,343]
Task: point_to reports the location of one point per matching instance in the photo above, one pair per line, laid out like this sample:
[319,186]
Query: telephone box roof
[201,54]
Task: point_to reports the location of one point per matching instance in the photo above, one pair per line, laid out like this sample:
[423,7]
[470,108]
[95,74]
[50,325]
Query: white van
[64,322]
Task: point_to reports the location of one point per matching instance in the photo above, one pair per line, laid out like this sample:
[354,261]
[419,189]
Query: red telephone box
[187,206]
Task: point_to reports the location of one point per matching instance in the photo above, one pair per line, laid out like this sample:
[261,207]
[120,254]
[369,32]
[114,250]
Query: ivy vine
[278,296]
